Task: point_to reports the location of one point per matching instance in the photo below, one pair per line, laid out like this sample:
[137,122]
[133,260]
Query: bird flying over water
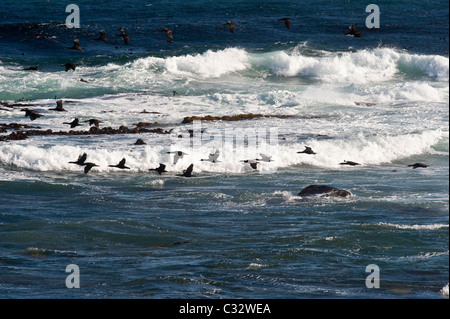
[307,150]
[102,37]
[124,35]
[287,22]
[230,25]
[32,114]
[81,159]
[76,45]
[121,164]
[188,171]
[93,122]
[212,157]
[59,106]
[69,66]
[353,31]
[417,165]
[168,32]
[177,156]
[349,163]
[74,123]
[88,166]
[264,158]
[161,169]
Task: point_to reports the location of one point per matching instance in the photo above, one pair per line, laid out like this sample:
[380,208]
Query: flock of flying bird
[212,157]
[353,31]
[126,38]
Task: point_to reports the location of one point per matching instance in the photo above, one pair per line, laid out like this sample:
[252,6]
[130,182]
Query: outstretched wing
[189,170]
[82,158]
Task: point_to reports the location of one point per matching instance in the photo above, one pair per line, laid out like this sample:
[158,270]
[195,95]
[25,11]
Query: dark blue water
[225,234]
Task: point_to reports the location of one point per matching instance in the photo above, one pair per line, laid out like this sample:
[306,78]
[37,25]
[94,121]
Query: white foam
[444,291]
[372,150]
[415,227]
[256,266]
[364,66]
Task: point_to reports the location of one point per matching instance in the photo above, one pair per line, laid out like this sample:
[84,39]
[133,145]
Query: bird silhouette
[353,31]
[212,157]
[231,26]
[69,66]
[417,165]
[188,171]
[307,150]
[102,37]
[124,35]
[76,45]
[168,32]
[253,163]
[74,123]
[59,106]
[349,163]
[81,159]
[121,164]
[161,169]
[32,114]
[287,22]
[177,156]
[88,166]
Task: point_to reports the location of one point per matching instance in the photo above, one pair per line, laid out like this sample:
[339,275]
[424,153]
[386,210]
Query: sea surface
[231,231]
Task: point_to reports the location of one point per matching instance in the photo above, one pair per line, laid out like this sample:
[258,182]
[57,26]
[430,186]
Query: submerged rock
[239,117]
[324,190]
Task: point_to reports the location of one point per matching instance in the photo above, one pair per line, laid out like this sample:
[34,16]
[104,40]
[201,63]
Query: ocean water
[231,231]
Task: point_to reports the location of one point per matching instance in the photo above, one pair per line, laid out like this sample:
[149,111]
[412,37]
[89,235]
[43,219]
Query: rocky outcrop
[324,191]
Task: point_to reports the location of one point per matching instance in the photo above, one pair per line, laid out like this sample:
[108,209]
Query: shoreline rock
[324,191]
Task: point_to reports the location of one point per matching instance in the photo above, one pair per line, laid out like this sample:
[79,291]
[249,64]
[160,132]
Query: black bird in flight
[102,37]
[168,32]
[287,22]
[349,163]
[353,31]
[81,159]
[417,165]
[76,45]
[93,122]
[307,150]
[188,171]
[161,169]
[74,123]
[231,25]
[69,66]
[32,114]
[124,35]
[88,166]
[121,164]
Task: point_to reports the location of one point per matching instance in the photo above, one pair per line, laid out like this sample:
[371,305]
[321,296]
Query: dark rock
[140,141]
[324,190]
